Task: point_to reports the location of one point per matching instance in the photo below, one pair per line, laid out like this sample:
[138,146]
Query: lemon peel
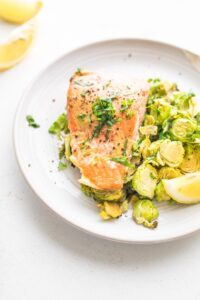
[19,11]
[184,189]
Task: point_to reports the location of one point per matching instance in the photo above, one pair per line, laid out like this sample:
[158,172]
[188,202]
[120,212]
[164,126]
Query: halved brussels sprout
[160,88]
[191,161]
[159,159]
[87,190]
[161,111]
[154,148]
[149,120]
[169,173]
[112,210]
[145,213]
[185,101]
[133,199]
[157,90]
[101,195]
[171,153]
[152,152]
[149,130]
[160,193]
[144,146]
[197,117]
[118,195]
[144,180]
[129,175]
[182,129]
[124,206]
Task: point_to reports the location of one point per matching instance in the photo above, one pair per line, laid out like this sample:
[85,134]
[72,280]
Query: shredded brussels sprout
[167,146]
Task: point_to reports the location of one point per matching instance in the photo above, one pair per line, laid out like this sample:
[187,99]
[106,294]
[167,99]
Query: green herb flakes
[123,161]
[104,111]
[81,116]
[126,104]
[31,122]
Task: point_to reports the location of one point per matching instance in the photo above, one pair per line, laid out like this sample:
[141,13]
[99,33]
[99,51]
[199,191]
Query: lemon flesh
[13,50]
[19,11]
[184,189]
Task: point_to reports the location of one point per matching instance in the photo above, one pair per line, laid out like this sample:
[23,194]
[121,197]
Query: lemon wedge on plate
[13,49]
[184,189]
[19,11]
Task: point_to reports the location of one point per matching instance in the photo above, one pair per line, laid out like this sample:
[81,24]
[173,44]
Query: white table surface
[42,257]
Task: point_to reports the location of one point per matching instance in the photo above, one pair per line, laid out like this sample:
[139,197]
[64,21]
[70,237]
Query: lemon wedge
[19,11]
[184,189]
[13,50]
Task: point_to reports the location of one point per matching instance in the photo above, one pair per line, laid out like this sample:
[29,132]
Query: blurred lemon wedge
[184,189]
[19,11]
[13,49]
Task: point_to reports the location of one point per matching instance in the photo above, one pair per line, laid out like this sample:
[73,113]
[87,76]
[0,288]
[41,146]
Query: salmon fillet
[103,118]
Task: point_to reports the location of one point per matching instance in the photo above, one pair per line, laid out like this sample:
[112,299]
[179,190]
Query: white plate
[37,150]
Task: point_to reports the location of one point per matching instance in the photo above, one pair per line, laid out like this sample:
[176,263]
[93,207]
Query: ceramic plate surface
[37,153]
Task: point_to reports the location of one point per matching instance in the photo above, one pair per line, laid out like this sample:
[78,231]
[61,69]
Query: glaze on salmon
[94,146]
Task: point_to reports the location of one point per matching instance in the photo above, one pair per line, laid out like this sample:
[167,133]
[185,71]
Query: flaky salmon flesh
[103,118]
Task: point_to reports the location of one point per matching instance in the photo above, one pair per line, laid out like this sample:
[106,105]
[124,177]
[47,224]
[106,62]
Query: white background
[41,257]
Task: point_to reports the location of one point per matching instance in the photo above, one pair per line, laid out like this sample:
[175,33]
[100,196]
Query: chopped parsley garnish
[84,144]
[154,80]
[81,116]
[104,111]
[78,71]
[123,161]
[31,122]
[59,125]
[126,104]
[129,114]
[125,147]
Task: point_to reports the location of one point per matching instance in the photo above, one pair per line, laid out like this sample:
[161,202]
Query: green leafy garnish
[124,147]
[59,125]
[155,80]
[183,100]
[62,166]
[123,161]
[31,122]
[129,114]
[104,111]
[78,70]
[126,104]
[81,116]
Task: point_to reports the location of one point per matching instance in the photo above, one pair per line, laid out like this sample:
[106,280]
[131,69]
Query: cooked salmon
[103,118]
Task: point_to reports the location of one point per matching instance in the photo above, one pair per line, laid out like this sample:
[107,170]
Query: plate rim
[20,104]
